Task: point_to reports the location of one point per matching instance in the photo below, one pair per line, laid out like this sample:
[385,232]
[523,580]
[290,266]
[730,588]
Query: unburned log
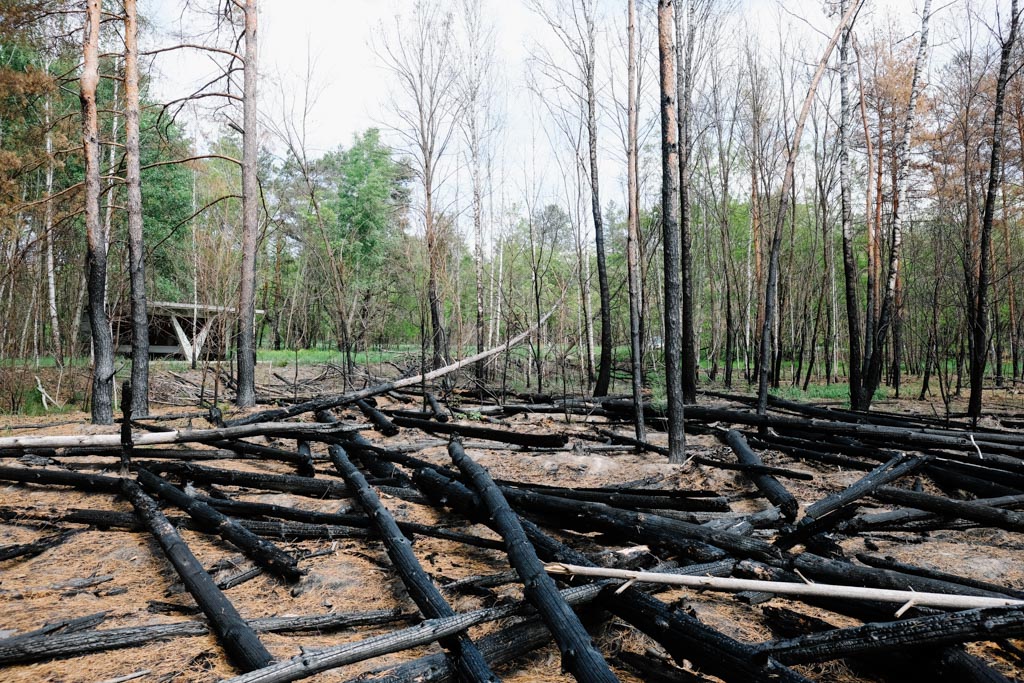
[784,588]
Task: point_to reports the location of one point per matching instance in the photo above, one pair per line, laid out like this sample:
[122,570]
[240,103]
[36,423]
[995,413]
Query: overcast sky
[353,88]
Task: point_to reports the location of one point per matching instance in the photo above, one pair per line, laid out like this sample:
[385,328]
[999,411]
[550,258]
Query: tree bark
[684,89]
[246,346]
[673,340]
[604,367]
[136,264]
[96,255]
[633,231]
[850,270]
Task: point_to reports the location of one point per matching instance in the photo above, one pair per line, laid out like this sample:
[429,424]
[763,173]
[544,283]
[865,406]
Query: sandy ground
[138,582]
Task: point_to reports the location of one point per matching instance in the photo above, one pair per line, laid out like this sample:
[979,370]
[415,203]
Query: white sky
[353,87]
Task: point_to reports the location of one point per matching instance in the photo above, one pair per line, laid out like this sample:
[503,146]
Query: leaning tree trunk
[979,317]
[780,218]
[246,347]
[673,339]
[96,257]
[136,264]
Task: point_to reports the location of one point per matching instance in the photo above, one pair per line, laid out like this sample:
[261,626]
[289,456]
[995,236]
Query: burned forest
[545,340]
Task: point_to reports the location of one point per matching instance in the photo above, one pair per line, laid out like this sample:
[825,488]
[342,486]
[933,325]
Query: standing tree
[977,305]
[420,54]
[574,24]
[136,265]
[873,357]
[96,254]
[633,226]
[670,233]
[768,328]
[477,77]
[246,347]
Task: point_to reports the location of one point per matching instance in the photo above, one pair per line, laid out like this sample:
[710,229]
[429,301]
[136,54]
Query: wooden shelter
[189,331]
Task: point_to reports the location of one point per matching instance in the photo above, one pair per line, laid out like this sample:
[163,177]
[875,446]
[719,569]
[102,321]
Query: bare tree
[574,24]
[977,310]
[246,346]
[476,82]
[136,264]
[421,55]
[874,357]
[771,288]
[633,227]
[672,342]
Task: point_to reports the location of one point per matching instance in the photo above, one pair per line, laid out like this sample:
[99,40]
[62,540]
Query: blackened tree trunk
[96,255]
[604,366]
[136,264]
[684,89]
[246,346]
[771,289]
[978,313]
[670,234]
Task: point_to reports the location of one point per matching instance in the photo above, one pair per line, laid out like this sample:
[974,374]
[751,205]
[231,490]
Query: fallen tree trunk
[498,648]
[44,646]
[578,653]
[292,429]
[234,634]
[985,514]
[263,553]
[380,421]
[900,466]
[315,661]
[470,663]
[37,547]
[485,433]
[303,486]
[765,483]
[334,401]
[932,630]
[334,518]
[786,588]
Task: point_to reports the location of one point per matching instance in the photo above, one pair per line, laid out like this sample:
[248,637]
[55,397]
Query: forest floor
[123,572]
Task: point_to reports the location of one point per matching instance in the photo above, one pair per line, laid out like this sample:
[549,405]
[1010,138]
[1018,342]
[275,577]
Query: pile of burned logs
[914,621]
